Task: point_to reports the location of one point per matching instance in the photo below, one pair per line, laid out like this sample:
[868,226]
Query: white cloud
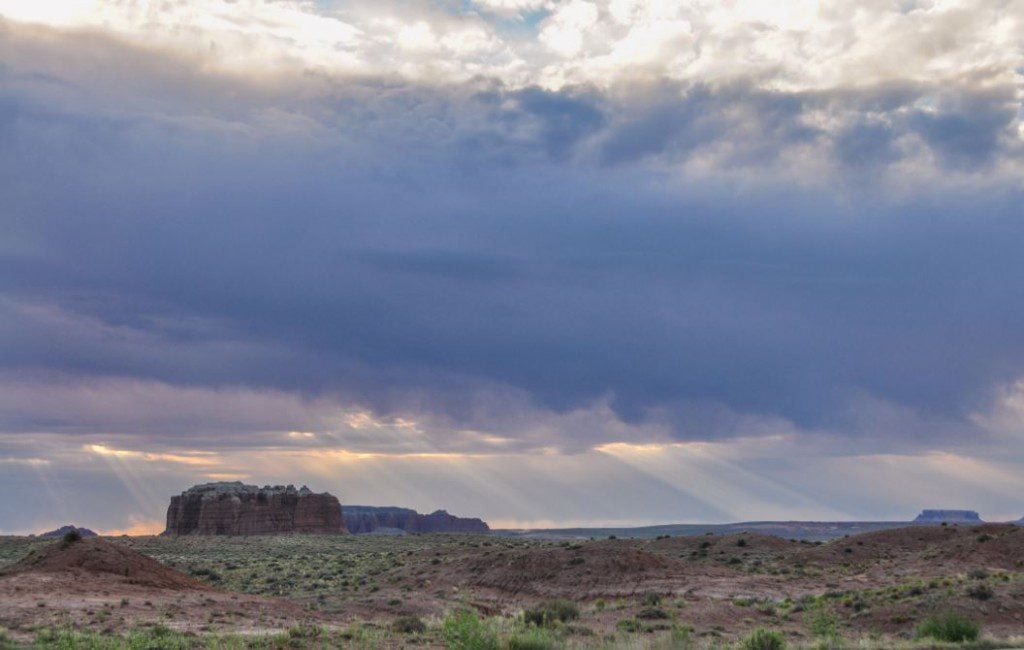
[564,31]
[799,45]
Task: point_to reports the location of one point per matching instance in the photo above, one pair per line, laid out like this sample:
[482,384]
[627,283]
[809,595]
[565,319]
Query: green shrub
[822,622]
[628,625]
[156,637]
[71,537]
[304,632]
[408,625]
[462,630]
[652,600]
[948,627]
[550,612]
[981,592]
[680,638]
[533,638]
[652,613]
[762,639]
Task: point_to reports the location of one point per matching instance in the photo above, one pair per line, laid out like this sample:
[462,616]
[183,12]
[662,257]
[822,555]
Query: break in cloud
[671,261]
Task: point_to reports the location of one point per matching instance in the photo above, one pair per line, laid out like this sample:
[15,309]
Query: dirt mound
[99,558]
[932,548]
[590,570]
[991,546]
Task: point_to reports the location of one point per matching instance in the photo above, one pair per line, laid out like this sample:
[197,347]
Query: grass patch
[533,638]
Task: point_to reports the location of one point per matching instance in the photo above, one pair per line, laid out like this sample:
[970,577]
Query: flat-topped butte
[233,508]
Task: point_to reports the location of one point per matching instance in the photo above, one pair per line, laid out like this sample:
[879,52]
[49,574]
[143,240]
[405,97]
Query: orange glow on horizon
[136,528]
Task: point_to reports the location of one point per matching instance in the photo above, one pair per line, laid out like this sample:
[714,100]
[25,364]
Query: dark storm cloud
[673,119]
[866,143]
[968,131]
[394,245]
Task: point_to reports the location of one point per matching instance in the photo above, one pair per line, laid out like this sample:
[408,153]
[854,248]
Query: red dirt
[108,561]
[102,585]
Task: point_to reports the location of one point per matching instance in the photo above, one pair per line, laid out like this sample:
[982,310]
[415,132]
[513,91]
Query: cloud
[395,245]
[421,233]
[196,458]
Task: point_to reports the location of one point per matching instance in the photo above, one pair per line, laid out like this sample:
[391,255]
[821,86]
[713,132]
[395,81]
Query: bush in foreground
[822,622]
[762,639]
[948,627]
[156,637]
[462,630]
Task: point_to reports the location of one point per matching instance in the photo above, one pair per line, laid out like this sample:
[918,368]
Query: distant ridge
[64,530]
[801,530]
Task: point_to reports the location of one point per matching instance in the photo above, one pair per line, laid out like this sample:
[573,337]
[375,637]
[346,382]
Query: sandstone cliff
[237,509]
[367,519]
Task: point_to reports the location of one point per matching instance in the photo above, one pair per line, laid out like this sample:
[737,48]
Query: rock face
[64,530]
[237,509]
[948,516]
[370,519]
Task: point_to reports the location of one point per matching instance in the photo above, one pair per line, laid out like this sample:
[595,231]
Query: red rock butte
[237,509]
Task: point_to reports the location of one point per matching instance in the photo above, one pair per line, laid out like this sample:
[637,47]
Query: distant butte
[392,520]
[238,509]
[948,517]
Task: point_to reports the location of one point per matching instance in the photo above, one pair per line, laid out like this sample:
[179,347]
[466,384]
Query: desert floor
[870,590]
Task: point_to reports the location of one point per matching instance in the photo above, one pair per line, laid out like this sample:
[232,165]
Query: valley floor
[870,590]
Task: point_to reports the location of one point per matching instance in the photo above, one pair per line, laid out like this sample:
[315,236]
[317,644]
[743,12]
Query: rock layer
[238,509]
[367,519]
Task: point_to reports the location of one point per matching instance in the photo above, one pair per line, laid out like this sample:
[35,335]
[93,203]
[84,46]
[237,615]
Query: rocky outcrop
[237,509]
[64,530]
[948,517]
[370,519]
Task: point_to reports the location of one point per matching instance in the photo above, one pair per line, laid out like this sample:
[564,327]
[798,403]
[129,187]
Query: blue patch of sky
[523,24]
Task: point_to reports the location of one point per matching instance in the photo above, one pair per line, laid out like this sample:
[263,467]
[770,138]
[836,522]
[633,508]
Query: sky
[545,262]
